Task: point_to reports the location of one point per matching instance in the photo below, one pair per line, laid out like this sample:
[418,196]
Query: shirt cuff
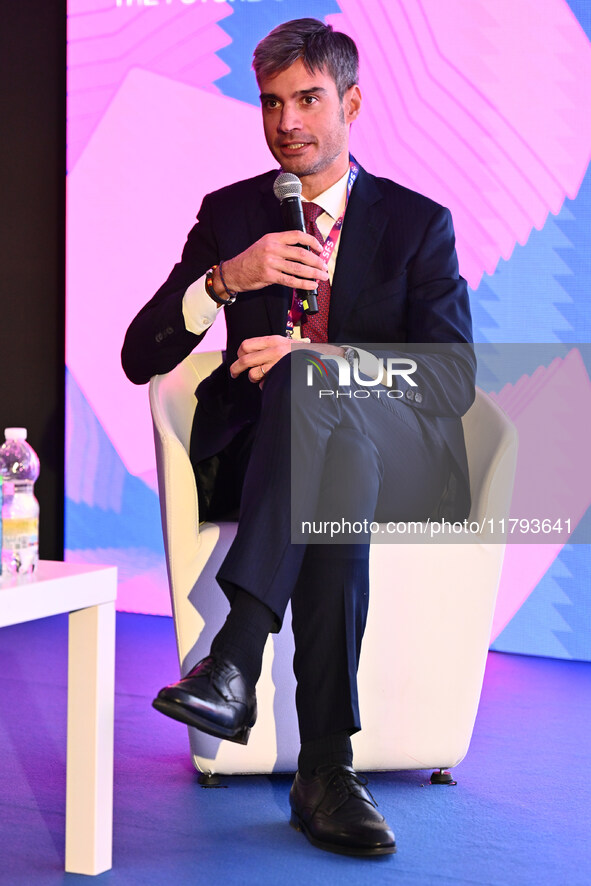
[199,310]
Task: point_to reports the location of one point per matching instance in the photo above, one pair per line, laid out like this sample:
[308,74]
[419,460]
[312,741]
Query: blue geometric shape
[482,319]
[575,222]
[582,12]
[136,525]
[538,627]
[575,581]
[525,299]
[250,22]
[105,506]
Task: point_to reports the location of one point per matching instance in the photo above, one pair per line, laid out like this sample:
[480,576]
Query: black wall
[32,242]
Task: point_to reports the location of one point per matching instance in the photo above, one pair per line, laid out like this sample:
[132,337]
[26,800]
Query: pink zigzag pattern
[455,112]
[105,42]
[551,409]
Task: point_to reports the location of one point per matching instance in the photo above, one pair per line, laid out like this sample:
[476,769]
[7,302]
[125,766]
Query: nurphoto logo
[384,371]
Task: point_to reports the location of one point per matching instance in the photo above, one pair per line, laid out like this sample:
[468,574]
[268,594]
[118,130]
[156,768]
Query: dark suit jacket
[396,283]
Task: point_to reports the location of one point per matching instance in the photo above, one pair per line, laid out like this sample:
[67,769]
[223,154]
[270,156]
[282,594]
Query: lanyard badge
[296,310]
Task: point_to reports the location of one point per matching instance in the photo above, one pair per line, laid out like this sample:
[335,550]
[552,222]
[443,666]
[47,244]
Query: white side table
[88,594]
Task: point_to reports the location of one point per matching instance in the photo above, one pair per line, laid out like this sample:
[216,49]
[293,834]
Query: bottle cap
[15,433]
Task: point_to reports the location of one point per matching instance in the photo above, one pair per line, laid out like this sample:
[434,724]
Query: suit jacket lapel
[362,231]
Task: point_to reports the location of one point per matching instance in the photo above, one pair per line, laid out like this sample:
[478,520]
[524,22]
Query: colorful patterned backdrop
[484,105]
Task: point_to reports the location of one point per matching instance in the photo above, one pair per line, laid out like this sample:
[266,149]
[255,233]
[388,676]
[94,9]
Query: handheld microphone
[288,188]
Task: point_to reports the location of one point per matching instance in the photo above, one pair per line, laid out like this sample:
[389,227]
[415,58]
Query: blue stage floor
[520,814]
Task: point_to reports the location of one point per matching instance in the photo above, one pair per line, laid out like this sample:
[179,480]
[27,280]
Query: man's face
[307,126]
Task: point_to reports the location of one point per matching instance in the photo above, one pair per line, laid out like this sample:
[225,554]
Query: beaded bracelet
[211,291]
[229,291]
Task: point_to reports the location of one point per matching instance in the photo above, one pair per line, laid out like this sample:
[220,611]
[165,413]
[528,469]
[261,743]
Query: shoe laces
[347,781]
[211,666]
[215,666]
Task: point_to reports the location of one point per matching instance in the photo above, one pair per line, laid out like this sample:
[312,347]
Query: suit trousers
[341,461]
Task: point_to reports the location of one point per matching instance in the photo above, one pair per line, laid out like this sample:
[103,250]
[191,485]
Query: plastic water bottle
[19,467]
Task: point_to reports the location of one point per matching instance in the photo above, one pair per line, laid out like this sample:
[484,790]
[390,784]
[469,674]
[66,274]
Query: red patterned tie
[316,326]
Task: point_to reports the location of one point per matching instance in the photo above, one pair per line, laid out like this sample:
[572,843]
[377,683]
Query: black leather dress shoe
[214,698]
[337,813]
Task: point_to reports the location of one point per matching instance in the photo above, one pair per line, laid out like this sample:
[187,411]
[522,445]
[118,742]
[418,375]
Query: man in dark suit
[384,261]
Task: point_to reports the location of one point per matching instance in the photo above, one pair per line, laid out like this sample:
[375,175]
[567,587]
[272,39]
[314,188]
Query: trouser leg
[329,611]
[330,599]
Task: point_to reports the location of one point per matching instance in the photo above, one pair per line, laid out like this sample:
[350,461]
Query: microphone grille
[287,185]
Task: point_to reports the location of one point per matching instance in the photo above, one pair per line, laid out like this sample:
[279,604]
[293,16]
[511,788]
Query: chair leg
[210,780]
[442,776]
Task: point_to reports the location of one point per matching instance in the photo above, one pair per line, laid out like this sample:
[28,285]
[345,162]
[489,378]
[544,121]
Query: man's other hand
[259,355]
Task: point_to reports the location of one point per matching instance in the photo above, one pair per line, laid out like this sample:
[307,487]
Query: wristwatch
[350,355]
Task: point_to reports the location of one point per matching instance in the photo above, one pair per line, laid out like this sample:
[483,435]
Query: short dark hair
[317,44]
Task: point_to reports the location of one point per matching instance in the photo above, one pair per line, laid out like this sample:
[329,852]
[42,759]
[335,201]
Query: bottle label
[20,548]
[20,532]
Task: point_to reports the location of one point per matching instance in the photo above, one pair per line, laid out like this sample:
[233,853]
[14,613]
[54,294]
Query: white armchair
[430,614]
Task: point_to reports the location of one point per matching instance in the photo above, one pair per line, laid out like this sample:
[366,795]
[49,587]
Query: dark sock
[329,750]
[244,634]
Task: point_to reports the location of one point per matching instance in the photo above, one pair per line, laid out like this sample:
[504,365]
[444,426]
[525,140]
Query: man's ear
[352,103]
